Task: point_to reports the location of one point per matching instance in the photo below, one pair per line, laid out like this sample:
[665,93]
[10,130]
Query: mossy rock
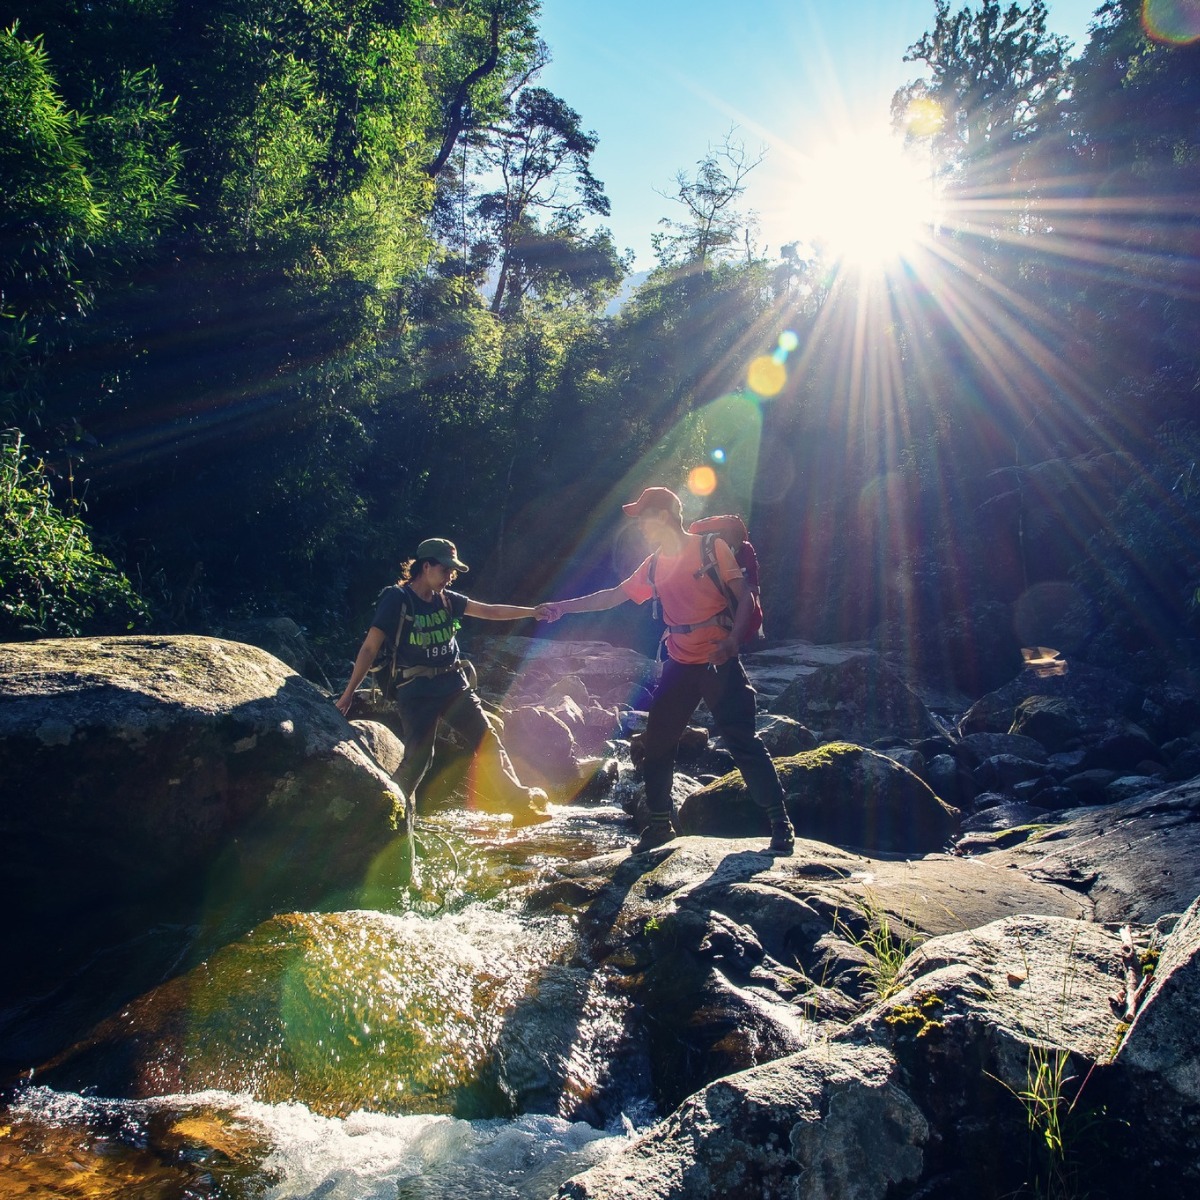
[172,780]
[840,793]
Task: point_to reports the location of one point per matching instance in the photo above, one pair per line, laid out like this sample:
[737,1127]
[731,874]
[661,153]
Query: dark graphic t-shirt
[428,639]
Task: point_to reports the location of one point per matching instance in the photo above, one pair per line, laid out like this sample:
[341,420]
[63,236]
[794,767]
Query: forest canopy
[286,285]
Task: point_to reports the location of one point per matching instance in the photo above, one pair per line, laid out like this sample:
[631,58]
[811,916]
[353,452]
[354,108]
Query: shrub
[53,581]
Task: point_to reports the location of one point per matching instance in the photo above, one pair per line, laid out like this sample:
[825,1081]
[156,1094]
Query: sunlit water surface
[311,1083]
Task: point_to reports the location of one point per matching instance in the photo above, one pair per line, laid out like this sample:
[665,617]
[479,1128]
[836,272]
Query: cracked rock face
[930,1091]
[1007,1002]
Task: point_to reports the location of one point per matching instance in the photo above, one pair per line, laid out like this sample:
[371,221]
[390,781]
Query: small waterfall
[454,1046]
[218,1144]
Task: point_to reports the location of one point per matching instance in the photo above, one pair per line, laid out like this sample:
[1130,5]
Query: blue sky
[661,80]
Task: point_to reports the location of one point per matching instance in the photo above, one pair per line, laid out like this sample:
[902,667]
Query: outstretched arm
[498,612]
[367,653]
[595,602]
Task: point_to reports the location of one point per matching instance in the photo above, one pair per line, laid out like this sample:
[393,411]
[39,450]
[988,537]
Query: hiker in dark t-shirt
[425,615]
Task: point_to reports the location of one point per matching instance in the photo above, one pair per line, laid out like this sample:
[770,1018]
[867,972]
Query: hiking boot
[656,834]
[783,837]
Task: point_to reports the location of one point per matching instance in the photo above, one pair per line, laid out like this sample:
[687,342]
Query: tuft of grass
[1044,1098]
[1047,1108]
[883,943]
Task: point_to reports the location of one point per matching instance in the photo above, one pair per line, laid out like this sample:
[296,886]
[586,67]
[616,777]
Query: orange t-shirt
[685,599]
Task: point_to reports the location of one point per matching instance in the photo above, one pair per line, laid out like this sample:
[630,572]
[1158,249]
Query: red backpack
[729,529]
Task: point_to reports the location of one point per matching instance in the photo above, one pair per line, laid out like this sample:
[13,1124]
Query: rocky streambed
[974,976]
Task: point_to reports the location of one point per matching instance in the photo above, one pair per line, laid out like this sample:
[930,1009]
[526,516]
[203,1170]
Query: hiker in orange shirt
[702,661]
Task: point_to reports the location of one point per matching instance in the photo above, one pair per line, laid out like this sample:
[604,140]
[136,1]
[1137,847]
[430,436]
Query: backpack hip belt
[722,618]
[408,674]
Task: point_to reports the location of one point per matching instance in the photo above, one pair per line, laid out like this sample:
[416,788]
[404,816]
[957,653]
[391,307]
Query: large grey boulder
[793,1128]
[280,637]
[860,699]
[381,743]
[891,1105]
[1155,1082]
[174,779]
[1093,699]
[1053,721]
[732,955]
[541,746]
[839,793]
[1162,1038]
[982,746]
[514,671]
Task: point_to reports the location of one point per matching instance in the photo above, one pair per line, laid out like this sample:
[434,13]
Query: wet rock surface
[735,956]
[980,922]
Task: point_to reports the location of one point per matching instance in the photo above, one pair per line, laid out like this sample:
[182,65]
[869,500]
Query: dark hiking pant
[730,699]
[462,711]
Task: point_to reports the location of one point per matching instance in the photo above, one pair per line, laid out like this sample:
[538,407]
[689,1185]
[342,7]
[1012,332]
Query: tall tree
[263,323]
[713,226]
[495,52]
[86,192]
[1136,99]
[996,77]
[541,156]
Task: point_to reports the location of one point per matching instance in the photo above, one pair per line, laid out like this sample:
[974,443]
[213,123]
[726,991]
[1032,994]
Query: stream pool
[447,1047]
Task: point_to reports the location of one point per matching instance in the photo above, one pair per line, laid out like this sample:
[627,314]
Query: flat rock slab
[1134,861]
[771,670]
[930,896]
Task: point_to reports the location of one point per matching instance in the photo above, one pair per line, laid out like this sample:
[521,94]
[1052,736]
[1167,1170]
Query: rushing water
[443,1049]
[217,1144]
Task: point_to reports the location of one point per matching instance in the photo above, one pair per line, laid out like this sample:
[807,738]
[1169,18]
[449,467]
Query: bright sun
[866,200]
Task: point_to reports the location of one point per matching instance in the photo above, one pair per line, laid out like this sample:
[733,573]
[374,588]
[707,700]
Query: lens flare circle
[789,341]
[766,376]
[1176,22]
[924,117]
[702,481]
[718,455]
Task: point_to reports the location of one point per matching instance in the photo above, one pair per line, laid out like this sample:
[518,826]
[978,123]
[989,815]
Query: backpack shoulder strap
[710,567]
[406,618]
[655,604]
[406,612]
